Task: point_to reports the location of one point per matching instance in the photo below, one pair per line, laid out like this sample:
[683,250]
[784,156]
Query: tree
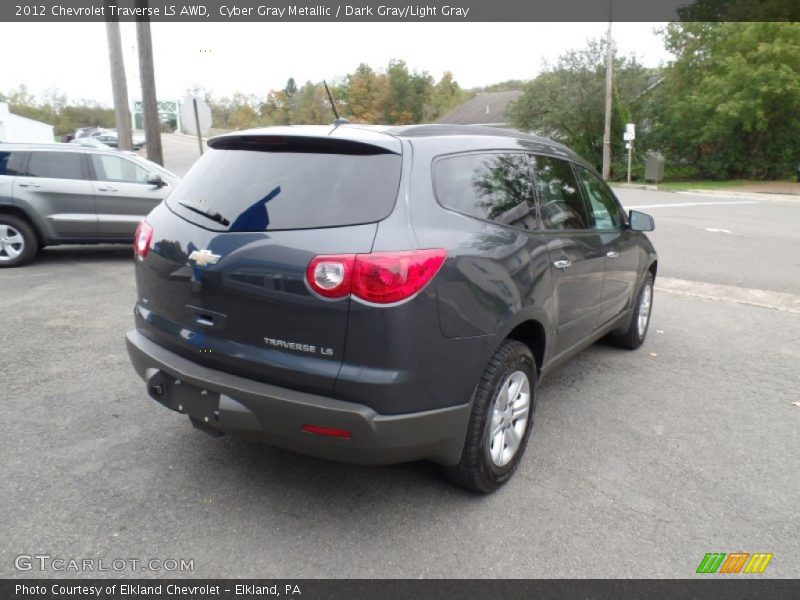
[277,109]
[394,101]
[401,96]
[57,110]
[242,112]
[363,90]
[730,102]
[566,102]
[291,87]
[312,105]
[443,98]
[21,96]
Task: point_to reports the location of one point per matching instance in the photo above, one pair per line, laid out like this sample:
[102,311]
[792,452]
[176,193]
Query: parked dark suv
[379,295]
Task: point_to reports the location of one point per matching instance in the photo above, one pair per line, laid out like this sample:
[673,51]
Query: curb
[743,195]
[729,293]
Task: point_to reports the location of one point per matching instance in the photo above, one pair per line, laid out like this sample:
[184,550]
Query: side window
[561,202]
[114,168]
[10,163]
[606,212]
[56,165]
[493,187]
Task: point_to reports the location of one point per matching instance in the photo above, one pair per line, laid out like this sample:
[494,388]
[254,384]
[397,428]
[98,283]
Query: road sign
[188,119]
[629,136]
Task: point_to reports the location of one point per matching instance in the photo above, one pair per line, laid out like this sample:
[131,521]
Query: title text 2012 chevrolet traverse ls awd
[379,295]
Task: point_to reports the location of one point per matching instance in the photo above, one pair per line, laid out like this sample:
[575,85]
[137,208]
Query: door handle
[107,189]
[29,184]
[564,263]
[205,320]
[612,254]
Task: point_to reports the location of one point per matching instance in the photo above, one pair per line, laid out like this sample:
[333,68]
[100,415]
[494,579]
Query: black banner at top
[398,10]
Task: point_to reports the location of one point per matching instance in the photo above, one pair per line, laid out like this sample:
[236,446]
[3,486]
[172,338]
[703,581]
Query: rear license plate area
[197,402]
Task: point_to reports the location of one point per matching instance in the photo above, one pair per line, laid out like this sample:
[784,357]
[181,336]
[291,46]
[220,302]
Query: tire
[637,330]
[487,461]
[18,242]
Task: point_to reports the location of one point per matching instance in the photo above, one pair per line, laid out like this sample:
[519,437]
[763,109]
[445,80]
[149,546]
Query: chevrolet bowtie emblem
[204,257]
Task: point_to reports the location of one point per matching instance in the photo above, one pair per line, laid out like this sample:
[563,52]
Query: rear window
[55,165]
[260,190]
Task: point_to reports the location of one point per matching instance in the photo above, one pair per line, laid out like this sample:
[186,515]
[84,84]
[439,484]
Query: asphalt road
[746,240]
[180,152]
[639,464]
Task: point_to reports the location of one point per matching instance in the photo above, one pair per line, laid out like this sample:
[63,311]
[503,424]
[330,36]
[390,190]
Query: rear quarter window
[493,187]
[258,190]
[10,163]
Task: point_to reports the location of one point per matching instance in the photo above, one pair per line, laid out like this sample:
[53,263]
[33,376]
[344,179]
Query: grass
[678,186]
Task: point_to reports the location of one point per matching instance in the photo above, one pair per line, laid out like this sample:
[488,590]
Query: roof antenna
[338,120]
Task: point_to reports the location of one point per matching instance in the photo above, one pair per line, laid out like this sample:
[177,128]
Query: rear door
[122,194]
[577,256]
[619,244]
[10,165]
[56,185]
[224,282]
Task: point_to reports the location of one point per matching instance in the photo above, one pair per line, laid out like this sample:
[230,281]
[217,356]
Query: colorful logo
[735,562]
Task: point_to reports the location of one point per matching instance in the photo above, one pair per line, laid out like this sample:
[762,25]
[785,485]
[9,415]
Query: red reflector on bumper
[329,431]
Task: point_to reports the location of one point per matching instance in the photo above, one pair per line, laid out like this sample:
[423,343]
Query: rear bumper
[258,411]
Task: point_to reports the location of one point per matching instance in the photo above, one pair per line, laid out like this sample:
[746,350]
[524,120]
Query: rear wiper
[208,214]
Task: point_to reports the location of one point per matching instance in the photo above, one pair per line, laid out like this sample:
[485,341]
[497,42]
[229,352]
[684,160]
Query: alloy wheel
[509,418]
[644,309]
[12,244]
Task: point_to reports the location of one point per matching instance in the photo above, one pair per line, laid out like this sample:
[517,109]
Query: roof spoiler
[299,144]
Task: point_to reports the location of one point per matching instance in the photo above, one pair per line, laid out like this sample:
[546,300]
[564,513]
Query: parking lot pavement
[640,462]
[180,152]
[724,239]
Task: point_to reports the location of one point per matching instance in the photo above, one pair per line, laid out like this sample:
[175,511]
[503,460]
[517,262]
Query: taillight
[142,239]
[386,277]
[379,278]
[329,276]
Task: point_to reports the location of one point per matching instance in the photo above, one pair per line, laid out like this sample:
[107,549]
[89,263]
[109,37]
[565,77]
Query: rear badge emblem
[204,257]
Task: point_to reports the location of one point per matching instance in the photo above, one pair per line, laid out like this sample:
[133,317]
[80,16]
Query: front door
[618,244]
[122,194]
[576,251]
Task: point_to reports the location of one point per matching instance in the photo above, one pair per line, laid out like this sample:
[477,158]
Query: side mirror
[640,221]
[156,180]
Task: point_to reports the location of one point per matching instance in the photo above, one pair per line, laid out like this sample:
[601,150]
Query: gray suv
[54,194]
[380,295]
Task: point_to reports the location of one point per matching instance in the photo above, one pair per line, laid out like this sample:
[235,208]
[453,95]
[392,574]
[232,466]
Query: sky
[254,58]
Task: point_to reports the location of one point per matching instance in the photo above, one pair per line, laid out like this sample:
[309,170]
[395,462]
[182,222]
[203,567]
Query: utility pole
[609,88]
[630,154]
[152,121]
[119,87]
